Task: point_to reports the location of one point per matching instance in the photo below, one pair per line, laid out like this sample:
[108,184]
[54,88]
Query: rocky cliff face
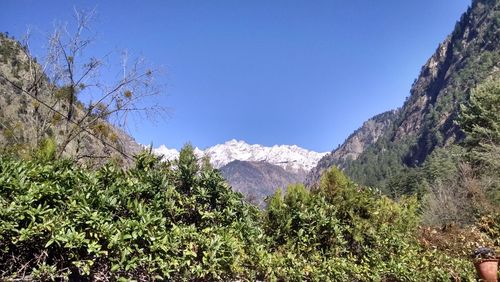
[355,144]
[468,56]
[476,34]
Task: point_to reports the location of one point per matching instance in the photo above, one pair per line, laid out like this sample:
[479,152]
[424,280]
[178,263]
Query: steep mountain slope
[258,180]
[426,121]
[25,122]
[355,144]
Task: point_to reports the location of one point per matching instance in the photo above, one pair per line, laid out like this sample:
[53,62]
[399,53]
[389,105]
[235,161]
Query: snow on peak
[168,154]
[289,157]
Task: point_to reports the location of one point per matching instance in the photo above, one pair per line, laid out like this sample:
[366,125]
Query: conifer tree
[480,120]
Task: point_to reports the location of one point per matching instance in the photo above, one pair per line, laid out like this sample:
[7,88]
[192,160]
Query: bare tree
[458,200]
[71,95]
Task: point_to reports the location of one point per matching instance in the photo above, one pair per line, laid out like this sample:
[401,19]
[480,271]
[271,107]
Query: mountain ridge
[353,146]
[255,170]
[427,119]
[290,157]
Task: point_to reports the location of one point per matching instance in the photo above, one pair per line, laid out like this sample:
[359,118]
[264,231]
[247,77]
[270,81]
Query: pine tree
[480,120]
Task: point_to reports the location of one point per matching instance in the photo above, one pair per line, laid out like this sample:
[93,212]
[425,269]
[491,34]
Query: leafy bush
[176,221]
[60,221]
[344,232]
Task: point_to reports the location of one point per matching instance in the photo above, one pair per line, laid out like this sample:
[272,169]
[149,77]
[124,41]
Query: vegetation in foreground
[179,221]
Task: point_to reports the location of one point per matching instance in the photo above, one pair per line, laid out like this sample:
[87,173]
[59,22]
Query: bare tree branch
[68,82]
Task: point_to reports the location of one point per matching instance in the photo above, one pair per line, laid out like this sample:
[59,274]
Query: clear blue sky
[269,72]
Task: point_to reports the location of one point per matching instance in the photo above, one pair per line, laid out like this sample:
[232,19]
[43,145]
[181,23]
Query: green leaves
[480,120]
[58,220]
[346,232]
[133,223]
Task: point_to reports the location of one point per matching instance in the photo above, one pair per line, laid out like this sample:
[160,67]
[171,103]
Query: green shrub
[344,232]
[61,222]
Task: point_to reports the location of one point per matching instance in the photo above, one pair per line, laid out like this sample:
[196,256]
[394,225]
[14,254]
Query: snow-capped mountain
[290,157]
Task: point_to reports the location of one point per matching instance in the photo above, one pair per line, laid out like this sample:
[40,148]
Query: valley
[413,194]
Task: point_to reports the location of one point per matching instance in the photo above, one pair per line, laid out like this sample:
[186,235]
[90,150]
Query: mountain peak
[290,157]
[234,141]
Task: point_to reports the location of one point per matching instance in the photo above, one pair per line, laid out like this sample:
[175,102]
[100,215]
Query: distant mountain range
[289,157]
[255,170]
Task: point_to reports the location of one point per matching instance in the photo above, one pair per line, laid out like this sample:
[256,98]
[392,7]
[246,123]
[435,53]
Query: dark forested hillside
[427,120]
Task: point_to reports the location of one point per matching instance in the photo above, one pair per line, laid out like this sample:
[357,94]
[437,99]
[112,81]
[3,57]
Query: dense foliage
[179,221]
[480,120]
[58,220]
[344,232]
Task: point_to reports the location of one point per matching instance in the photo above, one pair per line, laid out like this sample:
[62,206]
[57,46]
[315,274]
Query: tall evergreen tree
[480,120]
